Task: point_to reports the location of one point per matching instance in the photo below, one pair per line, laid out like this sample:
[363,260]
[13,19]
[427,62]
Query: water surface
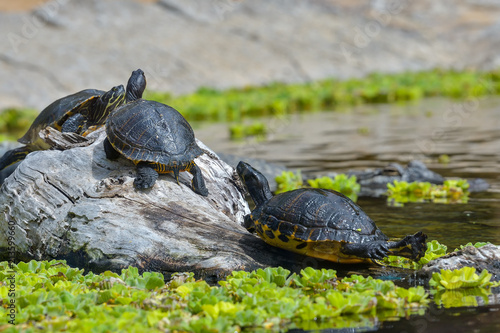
[375,135]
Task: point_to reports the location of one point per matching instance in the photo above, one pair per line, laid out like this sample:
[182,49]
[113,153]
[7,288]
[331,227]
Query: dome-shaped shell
[317,215]
[55,111]
[150,131]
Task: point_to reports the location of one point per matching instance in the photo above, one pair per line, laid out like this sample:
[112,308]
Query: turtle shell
[313,215]
[150,131]
[52,113]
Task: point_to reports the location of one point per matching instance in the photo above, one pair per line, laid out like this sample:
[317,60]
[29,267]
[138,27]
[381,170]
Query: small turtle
[92,113]
[51,115]
[157,138]
[80,113]
[320,223]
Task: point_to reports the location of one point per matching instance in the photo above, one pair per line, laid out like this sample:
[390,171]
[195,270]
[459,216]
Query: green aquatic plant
[451,298]
[52,296]
[434,251]
[288,181]
[340,183]
[465,277]
[452,191]
[476,245]
[278,99]
[15,122]
[241,131]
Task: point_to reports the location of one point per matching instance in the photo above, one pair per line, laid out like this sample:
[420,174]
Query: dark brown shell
[317,215]
[150,131]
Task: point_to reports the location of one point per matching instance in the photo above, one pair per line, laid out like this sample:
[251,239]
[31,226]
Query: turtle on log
[320,223]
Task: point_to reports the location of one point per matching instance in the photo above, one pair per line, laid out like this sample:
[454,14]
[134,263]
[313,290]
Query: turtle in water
[320,223]
[157,138]
[80,113]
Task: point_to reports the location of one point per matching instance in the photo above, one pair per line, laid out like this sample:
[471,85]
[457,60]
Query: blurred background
[53,48]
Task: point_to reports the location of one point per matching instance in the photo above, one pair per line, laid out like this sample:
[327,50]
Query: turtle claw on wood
[146,176]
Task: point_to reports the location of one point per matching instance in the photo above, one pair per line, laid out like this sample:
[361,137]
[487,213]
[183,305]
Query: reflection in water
[373,136]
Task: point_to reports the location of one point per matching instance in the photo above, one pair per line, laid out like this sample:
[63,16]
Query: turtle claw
[146,176]
[377,250]
[373,250]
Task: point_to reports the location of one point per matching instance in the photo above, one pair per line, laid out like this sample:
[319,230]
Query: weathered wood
[77,205]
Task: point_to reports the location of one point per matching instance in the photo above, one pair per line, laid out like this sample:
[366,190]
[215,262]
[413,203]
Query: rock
[485,257]
[77,205]
[374,182]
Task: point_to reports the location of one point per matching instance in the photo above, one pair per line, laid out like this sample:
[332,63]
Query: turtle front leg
[198,183]
[412,246]
[111,152]
[146,176]
[371,250]
[75,124]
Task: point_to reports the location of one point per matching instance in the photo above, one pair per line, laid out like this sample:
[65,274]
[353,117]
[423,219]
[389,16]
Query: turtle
[92,113]
[157,138]
[320,223]
[81,113]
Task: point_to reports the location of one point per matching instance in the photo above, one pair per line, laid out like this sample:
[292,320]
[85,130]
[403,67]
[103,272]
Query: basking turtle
[157,138]
[320,223]
[80,113]
[92,113]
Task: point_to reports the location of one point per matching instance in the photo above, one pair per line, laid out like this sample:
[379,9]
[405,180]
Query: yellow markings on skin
[326,249]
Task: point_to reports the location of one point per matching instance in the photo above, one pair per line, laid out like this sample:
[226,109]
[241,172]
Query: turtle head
[255,182]
[136,85]
[108,102]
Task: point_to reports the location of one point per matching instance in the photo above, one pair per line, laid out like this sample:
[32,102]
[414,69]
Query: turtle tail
[412,246]
[13,156]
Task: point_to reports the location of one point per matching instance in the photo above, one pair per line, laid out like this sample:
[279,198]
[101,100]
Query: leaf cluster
[465,277]
[241,131]
[452,191]
[14,122]
[288,181]
[278,99]
[53,296]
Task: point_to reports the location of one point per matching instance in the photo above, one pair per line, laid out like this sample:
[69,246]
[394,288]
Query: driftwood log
[75,204]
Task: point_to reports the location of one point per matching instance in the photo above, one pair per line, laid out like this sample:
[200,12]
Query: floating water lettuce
[288,181]
[476,245]
[452,191]
[461,287]
[15,122]
[340,183]
[279,99]
[241,131]
[461,297]
[434,251]
[53,296]
[465,277]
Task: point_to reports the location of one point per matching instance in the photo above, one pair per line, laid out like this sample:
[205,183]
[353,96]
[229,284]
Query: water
[373,136]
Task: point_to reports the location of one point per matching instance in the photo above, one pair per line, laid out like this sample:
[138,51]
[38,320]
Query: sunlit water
[373,136]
